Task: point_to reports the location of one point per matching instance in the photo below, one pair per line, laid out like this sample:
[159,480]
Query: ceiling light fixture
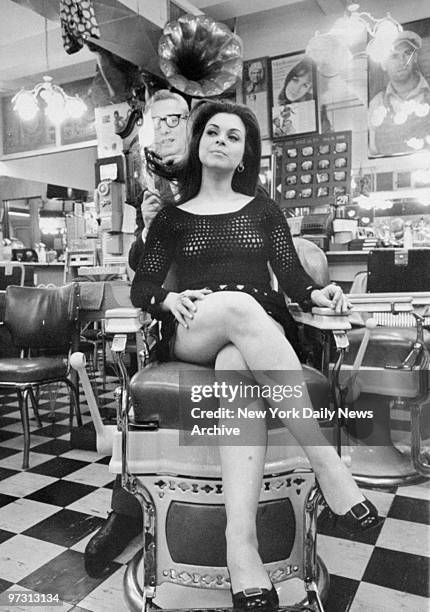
[56,103]
[333,50]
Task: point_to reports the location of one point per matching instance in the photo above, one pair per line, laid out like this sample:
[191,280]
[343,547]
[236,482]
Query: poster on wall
[399,94]
[255,91]
[294,95]
[108,120]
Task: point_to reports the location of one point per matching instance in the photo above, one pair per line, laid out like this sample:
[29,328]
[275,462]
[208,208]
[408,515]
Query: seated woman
[221,237]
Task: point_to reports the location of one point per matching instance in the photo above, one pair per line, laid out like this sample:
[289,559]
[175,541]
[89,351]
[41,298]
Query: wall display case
[313,170]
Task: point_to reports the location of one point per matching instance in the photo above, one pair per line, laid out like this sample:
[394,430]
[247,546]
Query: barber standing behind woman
[169,113]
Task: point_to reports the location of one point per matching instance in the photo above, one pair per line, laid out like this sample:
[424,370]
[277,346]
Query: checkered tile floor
[50,511]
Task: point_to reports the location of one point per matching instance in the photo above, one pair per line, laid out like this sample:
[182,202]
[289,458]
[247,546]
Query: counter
[344,265]
[42,273]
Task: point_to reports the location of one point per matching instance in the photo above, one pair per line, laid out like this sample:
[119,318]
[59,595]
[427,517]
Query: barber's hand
[183,305]
[151,205]
[331,296]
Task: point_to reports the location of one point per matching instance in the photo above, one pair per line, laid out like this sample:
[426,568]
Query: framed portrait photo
[399,94]
[294,104]
[255,91]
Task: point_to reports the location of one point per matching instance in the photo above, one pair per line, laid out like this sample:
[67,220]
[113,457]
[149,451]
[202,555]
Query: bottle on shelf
[408,240]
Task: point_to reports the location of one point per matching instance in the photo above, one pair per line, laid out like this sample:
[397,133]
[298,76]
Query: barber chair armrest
[320,318]
[125,320]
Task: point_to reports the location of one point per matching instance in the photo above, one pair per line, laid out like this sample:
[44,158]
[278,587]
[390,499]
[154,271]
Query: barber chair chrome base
[184,523]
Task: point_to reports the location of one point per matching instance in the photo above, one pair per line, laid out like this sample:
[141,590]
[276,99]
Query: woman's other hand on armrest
[331,296]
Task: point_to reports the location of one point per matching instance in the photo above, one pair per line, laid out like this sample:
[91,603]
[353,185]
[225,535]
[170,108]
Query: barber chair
[39,321]
[394,373]
[183,564]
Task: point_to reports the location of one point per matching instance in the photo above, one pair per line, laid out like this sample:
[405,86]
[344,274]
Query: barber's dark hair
[188,172]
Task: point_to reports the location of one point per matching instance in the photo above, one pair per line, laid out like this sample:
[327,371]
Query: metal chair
[40,321]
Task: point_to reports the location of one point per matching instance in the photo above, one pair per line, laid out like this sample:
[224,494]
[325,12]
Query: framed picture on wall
[399,94]
[255,91]
[294,104]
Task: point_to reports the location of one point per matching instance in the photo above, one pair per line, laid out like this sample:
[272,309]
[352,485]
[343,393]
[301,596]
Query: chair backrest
[313,259]
[42,318]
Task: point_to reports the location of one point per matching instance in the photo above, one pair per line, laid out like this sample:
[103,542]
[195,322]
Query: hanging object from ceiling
[199,56]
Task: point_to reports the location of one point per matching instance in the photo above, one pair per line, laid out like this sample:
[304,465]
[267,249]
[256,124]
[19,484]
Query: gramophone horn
[199,56]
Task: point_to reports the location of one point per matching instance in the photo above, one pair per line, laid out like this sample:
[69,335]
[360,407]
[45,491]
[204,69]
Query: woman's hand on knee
[331,296]
[182,305]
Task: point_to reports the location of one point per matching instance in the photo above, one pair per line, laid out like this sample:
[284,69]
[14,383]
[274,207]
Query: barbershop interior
[155,459]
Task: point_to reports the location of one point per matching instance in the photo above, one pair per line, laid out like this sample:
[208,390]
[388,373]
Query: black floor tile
[410,509]
[53,418]
[104,460]
[326,526]
[109,485]
[7,452]
[7,435]
[341,593]
[58,467]
[61,493]
[5,535]
[6,499]
[53,447]
[6,472]
[65,527]
[52,431]
[398,570]
[66,576]
[4,585]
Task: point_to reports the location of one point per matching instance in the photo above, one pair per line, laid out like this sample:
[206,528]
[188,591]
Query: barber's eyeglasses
[171,121]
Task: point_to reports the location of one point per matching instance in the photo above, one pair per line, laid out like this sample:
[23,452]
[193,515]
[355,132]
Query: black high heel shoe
[362,517]
[260,600]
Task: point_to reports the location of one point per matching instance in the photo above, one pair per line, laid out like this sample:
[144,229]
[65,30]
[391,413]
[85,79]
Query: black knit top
[227,251]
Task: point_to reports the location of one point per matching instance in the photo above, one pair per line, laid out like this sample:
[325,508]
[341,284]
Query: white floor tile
[22,555]
[98,503]
[18,442]
[95,474]
[381,499]
[108,596]
[404,536]
[24,483]
[344,557]
[14,462]
[372,598]
[82,455]
[421,491]
[17,427]
[24,513]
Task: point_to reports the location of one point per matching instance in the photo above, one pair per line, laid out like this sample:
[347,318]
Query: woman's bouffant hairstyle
[305,66]
[188,172]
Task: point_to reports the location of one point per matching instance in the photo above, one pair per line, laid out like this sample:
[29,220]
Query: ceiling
[32,46]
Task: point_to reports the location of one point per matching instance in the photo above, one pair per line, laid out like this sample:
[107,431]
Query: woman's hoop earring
[241,167]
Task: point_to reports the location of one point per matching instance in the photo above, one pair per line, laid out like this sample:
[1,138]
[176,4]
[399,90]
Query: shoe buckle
[252,591]
[358,516]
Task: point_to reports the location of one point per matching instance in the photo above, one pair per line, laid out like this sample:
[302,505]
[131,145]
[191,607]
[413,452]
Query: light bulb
[75,107]
[26,106]
[415,143]
[421,110]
